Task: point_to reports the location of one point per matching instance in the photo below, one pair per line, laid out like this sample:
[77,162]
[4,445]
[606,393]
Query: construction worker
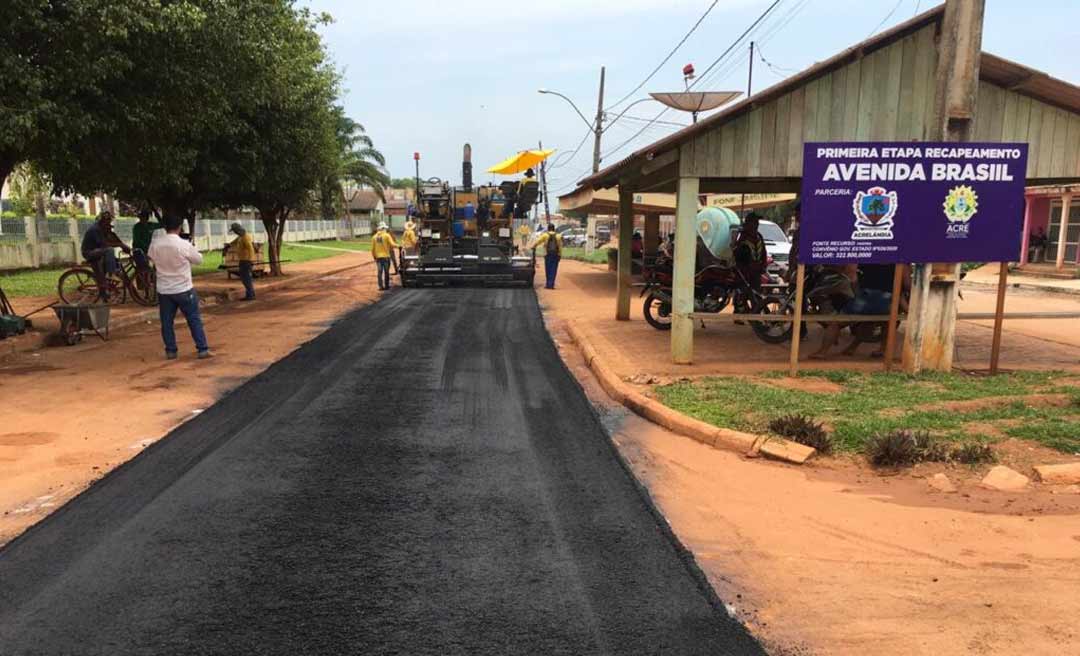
[524,232]
[244,248]
[552,243]
[382,243]
[409,238]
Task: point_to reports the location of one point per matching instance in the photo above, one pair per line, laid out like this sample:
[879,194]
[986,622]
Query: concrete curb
[209,300]
[677,422]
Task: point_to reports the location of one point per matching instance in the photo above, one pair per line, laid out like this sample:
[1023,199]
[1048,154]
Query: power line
[887,17]
[713,65]
[779,70]
[588,133]
[669,56]
[649,120]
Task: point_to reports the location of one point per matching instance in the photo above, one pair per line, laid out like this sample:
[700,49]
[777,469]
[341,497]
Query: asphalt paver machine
[466,233]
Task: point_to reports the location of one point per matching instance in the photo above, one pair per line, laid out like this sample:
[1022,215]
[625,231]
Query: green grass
[881,402]
[42,282]
[598,256]
[39,282]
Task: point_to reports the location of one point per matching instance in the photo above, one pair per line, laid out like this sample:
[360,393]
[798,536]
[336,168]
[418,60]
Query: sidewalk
[988,275]
[73,413]
[635,351]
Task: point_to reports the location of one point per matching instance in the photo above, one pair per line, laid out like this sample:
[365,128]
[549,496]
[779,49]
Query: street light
[598,128]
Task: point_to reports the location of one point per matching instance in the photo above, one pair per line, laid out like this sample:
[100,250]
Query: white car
[776,245]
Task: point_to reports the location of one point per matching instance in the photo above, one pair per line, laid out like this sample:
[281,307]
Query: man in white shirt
[173,257]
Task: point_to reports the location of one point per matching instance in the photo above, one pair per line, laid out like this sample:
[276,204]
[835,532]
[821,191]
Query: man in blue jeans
[552,243]
[173,257]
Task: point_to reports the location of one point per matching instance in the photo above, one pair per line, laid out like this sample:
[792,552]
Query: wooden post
[626,232]
[651,243]
[682,321]
[930,337]
[1063,230]
[1025,238]
[999,315]
[894,313]
[796,326]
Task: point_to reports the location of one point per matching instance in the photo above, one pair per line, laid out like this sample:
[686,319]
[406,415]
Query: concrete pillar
[626,238]
[1025,240]
[651,243]
[682,323]
[76,243]
[30,227]
[1063,230]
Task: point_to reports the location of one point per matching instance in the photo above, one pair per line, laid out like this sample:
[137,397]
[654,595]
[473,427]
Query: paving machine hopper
[466,233]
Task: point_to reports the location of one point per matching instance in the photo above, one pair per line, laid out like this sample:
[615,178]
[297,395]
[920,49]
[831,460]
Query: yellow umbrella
[526,159]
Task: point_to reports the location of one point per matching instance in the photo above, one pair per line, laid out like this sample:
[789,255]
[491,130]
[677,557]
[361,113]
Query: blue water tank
[714,227]
[458,228]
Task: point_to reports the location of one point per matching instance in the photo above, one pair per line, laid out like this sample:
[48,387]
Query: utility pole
[930,338]
[749,92]
[598,129]
[543,183]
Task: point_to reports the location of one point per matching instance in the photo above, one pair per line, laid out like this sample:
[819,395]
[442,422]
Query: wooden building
[887,88]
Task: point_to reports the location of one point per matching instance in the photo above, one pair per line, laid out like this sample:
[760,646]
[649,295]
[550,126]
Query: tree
[56,61]
[289,144]
[171,129]
[357,162]
[402,183]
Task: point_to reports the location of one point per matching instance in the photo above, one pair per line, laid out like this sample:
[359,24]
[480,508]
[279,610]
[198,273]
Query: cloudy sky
[430,75]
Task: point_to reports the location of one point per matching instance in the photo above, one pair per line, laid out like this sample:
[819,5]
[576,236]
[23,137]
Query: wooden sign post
[999,316]
[894,313]
[796,326]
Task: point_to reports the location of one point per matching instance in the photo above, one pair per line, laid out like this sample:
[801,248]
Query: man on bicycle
[97,249]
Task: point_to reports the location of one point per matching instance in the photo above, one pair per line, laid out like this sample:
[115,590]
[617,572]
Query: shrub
[804,430]
[973,453]
[903,448]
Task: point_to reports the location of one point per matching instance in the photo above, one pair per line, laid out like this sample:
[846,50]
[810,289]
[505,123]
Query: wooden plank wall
[1052,134]
[888,95]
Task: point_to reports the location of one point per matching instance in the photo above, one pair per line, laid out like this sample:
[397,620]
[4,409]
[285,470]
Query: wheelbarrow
[79,320]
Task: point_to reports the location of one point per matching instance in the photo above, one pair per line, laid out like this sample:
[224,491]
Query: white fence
[31,243]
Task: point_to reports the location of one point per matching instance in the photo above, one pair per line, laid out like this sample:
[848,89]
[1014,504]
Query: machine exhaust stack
[466,168]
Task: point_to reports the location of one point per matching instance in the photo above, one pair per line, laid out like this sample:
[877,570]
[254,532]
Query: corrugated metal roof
[993,69]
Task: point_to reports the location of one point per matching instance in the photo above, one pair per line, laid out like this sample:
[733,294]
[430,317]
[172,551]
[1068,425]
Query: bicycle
[78,285]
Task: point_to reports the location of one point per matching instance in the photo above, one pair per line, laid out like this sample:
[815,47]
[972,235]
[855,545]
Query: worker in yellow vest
[552,243]
[409,238]
[382,243]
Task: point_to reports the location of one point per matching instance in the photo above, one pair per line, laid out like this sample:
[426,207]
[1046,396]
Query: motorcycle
[715,287]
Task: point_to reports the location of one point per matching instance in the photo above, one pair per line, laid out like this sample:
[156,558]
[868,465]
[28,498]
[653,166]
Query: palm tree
[359,163]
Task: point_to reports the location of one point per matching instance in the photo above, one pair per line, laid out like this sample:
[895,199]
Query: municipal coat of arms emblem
[874,211]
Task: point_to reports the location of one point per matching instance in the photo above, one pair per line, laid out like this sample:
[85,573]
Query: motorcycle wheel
[657,312]
[773,332]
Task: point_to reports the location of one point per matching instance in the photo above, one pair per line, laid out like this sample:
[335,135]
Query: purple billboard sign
[912,202]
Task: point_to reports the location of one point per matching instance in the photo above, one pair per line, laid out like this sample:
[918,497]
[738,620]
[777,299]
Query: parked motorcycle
[715,287]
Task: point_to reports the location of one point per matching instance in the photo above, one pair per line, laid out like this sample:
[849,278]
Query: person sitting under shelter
[97,249]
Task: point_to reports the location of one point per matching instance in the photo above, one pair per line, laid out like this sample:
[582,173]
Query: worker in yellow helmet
[382,243]
[552,243]
[409,238]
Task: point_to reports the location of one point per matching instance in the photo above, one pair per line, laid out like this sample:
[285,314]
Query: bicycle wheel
[144,287]
[78,286]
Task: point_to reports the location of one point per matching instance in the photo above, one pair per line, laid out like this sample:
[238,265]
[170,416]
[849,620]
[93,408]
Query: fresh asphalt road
[423,478]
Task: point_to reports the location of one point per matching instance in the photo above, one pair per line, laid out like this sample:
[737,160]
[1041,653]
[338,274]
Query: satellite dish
[695,101]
